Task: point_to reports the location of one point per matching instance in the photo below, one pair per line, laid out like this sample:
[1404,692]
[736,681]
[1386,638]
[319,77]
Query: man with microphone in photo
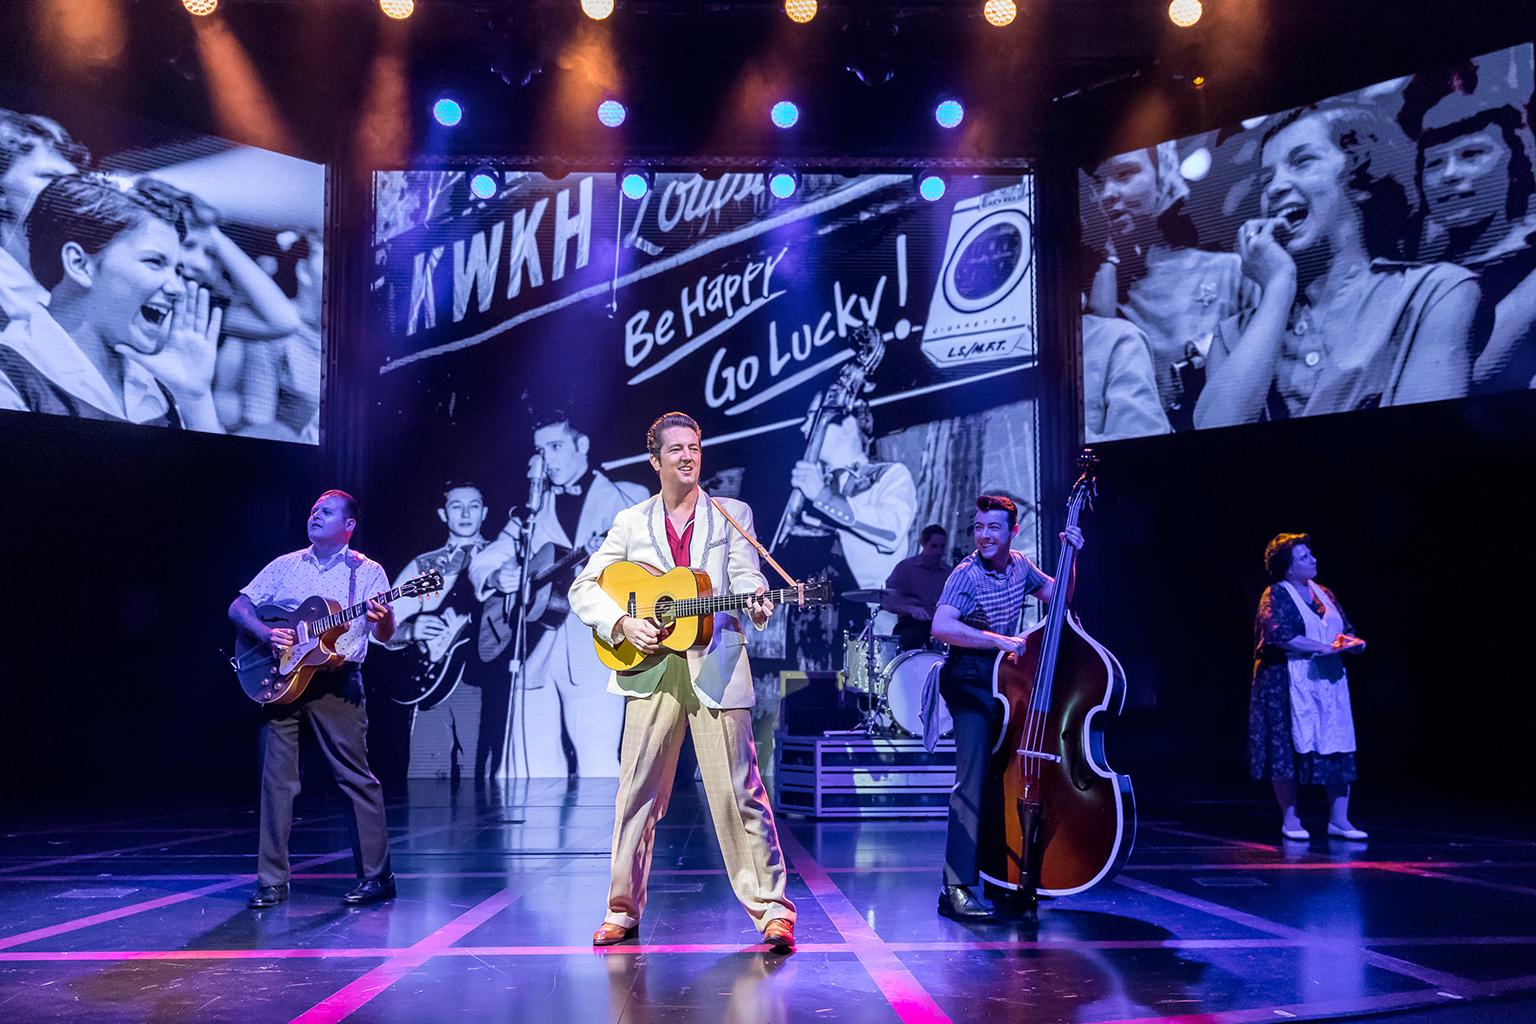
[572,504]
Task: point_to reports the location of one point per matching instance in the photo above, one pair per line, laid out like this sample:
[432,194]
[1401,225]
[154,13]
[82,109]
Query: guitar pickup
[1039,755]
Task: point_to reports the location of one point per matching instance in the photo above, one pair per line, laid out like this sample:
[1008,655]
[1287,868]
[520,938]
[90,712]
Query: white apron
[1321,722]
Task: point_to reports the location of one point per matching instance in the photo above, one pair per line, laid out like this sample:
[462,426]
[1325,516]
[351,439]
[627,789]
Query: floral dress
[1272,751]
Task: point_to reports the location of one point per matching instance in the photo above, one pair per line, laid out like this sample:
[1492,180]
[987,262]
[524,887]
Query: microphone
[537,476]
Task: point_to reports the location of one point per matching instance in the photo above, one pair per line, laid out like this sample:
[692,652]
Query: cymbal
[874,595]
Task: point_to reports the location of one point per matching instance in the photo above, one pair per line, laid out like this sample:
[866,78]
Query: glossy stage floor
[142,918]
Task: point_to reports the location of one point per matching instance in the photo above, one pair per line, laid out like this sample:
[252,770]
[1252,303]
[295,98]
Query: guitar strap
[753,541]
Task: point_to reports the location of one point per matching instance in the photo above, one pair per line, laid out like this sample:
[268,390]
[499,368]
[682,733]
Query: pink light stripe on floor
[1396,965]
[912,1003]
[718,948]
[348,1000]
[233,882]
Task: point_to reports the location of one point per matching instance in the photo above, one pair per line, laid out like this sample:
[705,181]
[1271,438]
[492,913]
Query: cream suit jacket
[720,673]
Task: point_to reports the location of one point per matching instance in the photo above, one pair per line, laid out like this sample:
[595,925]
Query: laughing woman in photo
[123,336]
[1342,323]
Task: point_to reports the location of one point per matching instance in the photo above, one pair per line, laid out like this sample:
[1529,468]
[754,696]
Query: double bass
[1063,821]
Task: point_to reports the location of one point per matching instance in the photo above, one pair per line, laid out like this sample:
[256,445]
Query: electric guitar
[682,603]
[550,574]
[439,662]
[269,677]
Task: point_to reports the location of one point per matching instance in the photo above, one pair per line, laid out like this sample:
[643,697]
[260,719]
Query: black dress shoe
[960,904]
[1020,903]
[268,896]
[371,890]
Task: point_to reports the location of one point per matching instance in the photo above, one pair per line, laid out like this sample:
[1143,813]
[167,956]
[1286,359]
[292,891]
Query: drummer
[913,588]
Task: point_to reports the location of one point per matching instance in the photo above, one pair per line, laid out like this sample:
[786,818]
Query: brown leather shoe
[611,934]
[780,935]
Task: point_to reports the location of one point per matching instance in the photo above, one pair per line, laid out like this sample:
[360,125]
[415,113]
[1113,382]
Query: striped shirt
[991,600]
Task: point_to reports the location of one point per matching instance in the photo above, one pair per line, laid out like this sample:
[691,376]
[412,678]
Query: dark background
[122,547]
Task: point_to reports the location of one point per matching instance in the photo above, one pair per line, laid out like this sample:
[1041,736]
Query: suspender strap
[753,541]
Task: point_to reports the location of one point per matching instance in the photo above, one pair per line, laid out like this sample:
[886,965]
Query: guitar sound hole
[664,609]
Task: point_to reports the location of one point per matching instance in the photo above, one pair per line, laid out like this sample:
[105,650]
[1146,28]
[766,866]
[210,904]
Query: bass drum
[904,680]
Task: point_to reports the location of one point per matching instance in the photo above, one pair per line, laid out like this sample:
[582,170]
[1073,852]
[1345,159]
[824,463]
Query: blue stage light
[949,114]
[931,187]
[611,113]
[783,183]
[483,183]
[448,112]
[635,184]
[784,114]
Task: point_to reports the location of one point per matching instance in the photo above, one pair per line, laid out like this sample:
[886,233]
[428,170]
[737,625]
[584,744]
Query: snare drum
[856,661]
[904,681]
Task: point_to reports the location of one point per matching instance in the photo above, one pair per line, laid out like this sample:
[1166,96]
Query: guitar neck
[346,615]
[730,602]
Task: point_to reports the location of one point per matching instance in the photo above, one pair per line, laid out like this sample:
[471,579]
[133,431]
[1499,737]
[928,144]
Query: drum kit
[887,681]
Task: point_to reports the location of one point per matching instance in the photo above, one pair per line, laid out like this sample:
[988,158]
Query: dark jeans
[965,683]
[333,707]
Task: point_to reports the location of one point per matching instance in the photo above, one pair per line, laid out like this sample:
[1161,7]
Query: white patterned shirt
[289,580]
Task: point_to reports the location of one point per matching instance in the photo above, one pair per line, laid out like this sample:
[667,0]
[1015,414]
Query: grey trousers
[333,707]
[738,804]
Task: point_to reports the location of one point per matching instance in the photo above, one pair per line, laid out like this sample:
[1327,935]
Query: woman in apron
[1300,730]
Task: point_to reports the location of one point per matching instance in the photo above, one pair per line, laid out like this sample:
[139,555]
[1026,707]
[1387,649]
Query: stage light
[783,182]
[949,114]
[635,184]
[1184,13]
[1198,81]
[597,10]
[784,114]
[800,11]
[398,9]
[932,187]
[483,183]
[611,113]
[201,8]
[1000,12]
[448,112]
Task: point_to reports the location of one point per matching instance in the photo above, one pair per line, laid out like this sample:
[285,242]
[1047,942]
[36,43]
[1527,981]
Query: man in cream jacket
[708,691]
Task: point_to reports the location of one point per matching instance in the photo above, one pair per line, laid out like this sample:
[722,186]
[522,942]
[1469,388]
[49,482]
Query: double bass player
[979,614]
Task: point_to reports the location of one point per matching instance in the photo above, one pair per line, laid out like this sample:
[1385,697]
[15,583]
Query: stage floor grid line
[1418,925]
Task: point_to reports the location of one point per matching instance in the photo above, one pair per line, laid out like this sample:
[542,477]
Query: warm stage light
[1198,81]
[398,9]
[448,112]
[597,10]
[200,7]
[784,114]
[611,113]
[1000,12]
[800,11]
[1185,13]
[949,114]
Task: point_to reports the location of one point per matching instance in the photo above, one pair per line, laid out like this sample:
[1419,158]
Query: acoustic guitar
[682,603]
[270,678]
[550,575]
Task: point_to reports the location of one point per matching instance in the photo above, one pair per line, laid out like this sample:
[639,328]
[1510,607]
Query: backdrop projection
[526,342]
[158,279]
[1373,249]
